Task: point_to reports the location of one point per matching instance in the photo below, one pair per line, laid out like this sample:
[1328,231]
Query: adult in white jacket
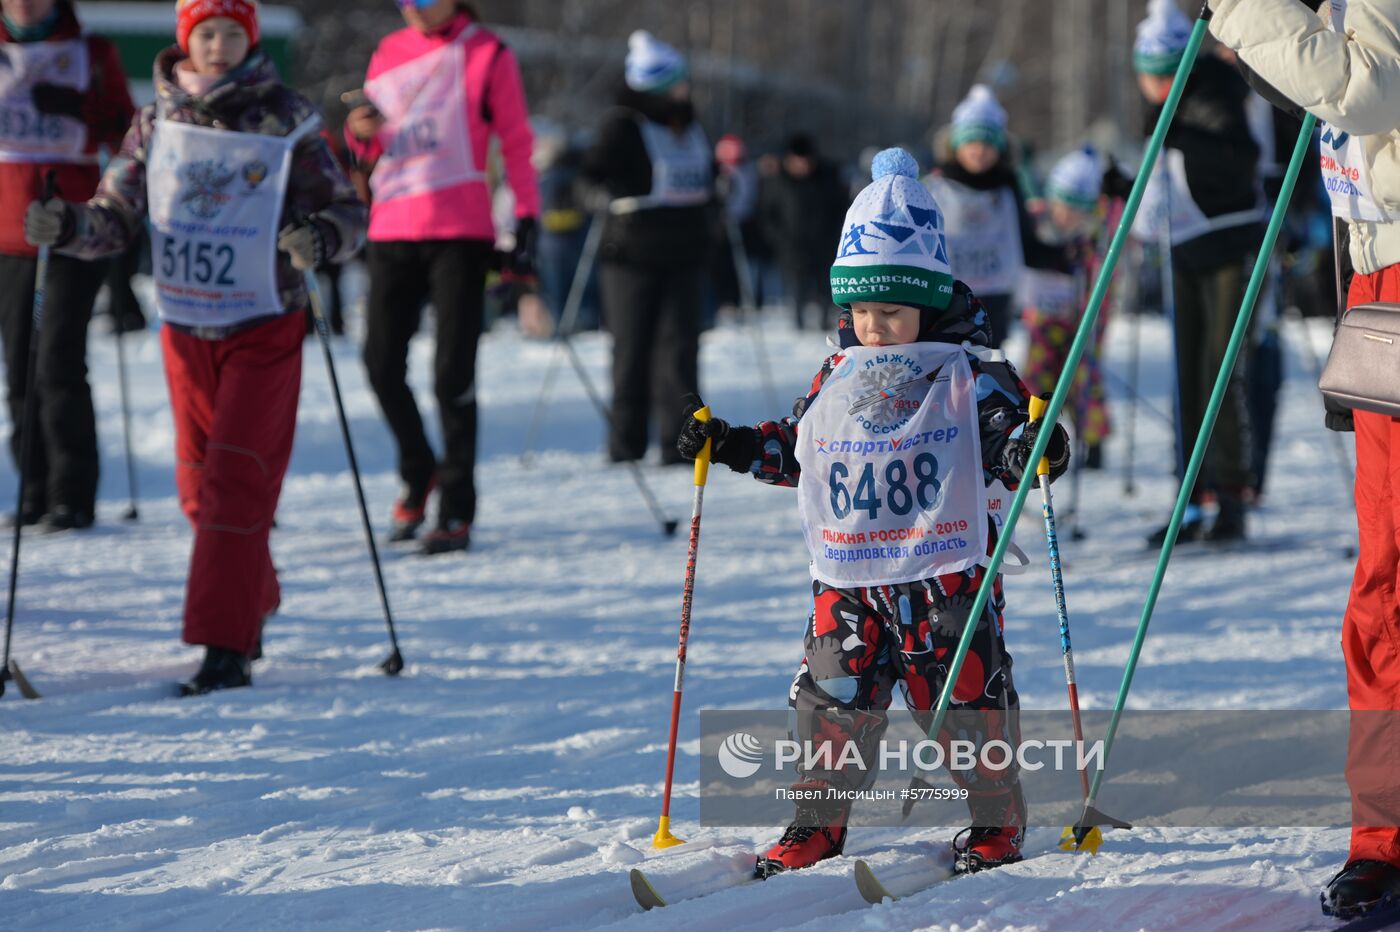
[1342,64]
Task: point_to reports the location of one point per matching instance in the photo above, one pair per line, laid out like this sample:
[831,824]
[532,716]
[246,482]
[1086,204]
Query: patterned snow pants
[860,645]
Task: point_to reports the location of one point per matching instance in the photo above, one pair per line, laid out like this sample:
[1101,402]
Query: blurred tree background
[852,74]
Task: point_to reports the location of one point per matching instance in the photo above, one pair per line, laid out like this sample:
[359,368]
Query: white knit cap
[892,246]
[652,65]
[980,117]
[1077,179]
[1161,38]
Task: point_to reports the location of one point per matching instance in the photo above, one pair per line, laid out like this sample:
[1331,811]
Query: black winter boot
[63,518]
[30,514]
[1360,888]
[222,669]
[1229,522]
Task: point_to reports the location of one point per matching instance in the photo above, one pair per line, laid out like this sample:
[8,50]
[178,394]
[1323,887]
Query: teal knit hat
[979,118]
[652,66]
[1161,39]
[892,247]
[1077,179]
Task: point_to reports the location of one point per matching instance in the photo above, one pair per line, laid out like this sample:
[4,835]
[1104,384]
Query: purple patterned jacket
[253,100]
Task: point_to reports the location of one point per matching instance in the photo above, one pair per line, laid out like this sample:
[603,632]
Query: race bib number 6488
[898,492]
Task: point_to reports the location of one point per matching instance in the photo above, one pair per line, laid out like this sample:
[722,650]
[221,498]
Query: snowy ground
[510,777]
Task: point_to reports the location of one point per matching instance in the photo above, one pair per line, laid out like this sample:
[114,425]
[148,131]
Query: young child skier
[990,235]
[901,436]
[243,196]
[1076,213]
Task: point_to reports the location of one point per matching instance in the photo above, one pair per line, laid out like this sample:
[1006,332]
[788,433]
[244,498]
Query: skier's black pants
[1207,303]
[1265,379]
[63,469]
[653,312]
[403,277]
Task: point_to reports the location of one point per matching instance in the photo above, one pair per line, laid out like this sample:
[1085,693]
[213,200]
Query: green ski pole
[1082,338]
[1198,453]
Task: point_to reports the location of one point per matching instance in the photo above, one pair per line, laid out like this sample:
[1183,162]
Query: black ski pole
[9,669]
[132,495]
[393,664]
[668,525]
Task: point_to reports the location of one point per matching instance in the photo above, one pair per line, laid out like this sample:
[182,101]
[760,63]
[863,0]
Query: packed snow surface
[513,774]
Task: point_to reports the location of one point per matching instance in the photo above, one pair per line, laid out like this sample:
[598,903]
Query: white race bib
[984,236]
[681,172]
[426,136]
[1167,206]
[215,199]
[26,135]
[892,488]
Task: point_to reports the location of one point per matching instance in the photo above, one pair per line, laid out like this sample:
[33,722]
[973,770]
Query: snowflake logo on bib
[205,195]
[886,404]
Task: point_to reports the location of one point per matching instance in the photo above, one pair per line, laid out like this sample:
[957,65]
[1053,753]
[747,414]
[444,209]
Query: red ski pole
[663,837]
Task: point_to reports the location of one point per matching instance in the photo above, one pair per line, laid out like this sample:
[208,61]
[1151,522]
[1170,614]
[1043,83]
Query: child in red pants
[243,197]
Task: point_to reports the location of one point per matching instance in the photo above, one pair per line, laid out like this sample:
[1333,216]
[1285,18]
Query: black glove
[520,261]
[57,100]
[1018,451]
[1341,420]
[735,447]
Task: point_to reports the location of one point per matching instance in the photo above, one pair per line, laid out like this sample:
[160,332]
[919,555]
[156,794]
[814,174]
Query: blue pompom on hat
[893,162]
[893,248]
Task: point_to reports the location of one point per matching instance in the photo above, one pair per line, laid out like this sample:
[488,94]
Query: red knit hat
[190,13]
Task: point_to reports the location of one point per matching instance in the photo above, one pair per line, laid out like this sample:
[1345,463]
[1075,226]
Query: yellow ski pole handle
[1037,409]
[702,462]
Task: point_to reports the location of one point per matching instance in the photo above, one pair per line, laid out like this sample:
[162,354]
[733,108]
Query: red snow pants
[234,403]
[1371,629]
